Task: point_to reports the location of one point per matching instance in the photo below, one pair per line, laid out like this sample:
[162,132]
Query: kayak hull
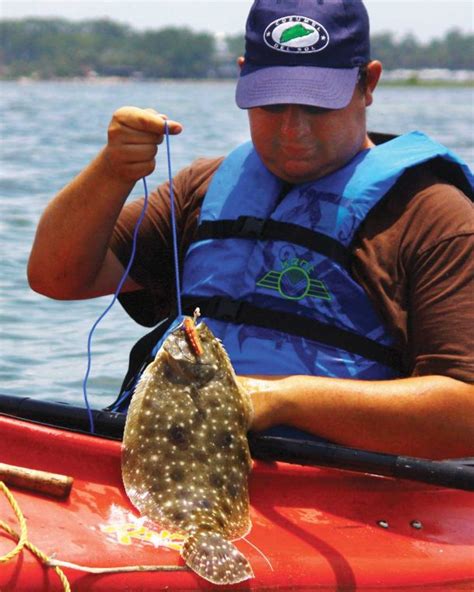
[313,528]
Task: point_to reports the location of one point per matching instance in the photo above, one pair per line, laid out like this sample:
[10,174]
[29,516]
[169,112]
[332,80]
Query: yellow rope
[21,519]
[23,539]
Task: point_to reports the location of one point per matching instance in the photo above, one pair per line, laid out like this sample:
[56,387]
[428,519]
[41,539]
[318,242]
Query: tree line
[55,48]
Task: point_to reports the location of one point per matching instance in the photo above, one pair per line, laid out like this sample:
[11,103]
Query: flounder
[185,455]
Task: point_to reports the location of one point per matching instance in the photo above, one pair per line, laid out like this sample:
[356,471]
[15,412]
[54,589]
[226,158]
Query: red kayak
[313,528]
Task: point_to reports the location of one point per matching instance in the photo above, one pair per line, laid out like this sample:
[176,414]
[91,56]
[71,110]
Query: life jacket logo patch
[294,283]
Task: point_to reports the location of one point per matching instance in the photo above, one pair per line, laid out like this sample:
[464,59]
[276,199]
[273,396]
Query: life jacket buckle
[250,227]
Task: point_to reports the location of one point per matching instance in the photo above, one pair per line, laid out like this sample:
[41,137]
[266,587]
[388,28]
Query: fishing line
[259,551]
[106,311]
[127,271]
[173,226]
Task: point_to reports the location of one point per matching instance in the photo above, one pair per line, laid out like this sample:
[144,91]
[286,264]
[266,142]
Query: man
[349,309]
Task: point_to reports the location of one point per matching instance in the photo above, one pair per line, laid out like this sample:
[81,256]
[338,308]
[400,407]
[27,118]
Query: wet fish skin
[185,456]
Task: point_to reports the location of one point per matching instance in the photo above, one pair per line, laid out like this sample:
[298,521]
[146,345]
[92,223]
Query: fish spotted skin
[185,455]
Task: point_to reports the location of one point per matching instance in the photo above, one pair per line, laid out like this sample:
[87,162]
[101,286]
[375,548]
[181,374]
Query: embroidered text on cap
[296,34]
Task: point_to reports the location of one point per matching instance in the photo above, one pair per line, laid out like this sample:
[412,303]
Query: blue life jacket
[271,273]
[288,261]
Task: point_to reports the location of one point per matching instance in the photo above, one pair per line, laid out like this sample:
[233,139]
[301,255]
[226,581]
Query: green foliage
[49,48]
[455,51]
[174,53]
[236,45]
[58,48]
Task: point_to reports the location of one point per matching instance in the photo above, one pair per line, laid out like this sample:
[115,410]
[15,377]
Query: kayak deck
[313,529]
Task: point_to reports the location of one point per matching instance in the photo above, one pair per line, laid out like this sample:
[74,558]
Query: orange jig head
[192,336]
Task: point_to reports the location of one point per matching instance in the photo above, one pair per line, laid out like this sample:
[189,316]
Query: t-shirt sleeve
[153,263]
[439,267]
[414,258]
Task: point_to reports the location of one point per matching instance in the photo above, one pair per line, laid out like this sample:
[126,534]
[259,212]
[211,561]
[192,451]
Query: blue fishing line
[127,271]
[116,294]
[173,226]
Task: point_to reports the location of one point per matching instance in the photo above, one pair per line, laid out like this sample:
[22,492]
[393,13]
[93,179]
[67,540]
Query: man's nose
[295,120]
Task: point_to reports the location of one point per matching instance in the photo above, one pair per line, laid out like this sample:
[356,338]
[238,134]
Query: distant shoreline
[105,80]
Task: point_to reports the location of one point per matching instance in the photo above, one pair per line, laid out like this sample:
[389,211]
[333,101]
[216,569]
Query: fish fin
[215,559]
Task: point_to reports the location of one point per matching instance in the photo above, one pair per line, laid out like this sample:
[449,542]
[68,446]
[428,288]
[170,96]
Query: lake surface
[49,131]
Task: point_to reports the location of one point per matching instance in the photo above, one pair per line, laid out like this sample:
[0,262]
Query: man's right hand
[133,138]
[71,258]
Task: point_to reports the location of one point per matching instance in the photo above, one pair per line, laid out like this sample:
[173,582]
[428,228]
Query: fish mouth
[179,363]
[187,369]
[177,348]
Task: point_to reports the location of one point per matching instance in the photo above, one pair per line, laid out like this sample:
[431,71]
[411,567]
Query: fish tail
[215,559]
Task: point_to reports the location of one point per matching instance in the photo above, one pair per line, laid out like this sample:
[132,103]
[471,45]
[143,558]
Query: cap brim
[331,88]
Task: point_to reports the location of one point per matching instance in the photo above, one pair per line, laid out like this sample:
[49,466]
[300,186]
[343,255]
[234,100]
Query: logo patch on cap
[296,34]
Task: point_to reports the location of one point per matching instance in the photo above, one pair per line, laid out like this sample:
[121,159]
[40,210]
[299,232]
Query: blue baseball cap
[306,52]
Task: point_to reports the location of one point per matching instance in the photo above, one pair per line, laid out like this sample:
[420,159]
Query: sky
[425,19]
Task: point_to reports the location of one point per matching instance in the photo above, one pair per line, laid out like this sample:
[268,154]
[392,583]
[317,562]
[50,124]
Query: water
[49,131]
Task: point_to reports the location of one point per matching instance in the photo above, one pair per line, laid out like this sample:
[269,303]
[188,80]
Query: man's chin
[298,172]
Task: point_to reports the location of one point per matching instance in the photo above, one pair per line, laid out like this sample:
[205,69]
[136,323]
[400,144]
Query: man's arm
[424,416]
[70,258]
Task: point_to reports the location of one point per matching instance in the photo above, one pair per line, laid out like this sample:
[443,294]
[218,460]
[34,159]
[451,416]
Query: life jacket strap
[141,355]
[250,227]
[241,312]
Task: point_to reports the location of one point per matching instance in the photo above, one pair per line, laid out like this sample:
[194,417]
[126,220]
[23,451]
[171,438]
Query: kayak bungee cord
[127,271]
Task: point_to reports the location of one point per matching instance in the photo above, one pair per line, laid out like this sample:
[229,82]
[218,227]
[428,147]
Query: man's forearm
[73,234]
[429,416]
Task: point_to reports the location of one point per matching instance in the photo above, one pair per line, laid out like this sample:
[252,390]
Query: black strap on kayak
[249,227]
[453,473]
[241,312]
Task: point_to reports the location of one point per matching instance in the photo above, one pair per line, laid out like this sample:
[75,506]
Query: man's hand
[133,138]
[70,258]
[267,404]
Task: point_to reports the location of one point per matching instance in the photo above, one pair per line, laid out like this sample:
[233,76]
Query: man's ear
[374,71]
[240,61]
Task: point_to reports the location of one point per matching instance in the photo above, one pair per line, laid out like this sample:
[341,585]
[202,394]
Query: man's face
[300,143]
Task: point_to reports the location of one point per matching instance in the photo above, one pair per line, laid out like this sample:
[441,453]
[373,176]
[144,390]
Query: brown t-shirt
[413,256]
